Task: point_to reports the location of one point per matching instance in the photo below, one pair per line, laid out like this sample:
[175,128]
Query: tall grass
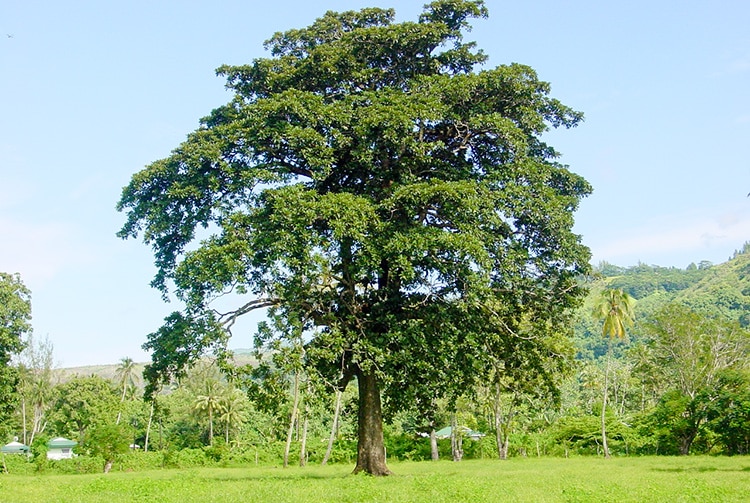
[646,479]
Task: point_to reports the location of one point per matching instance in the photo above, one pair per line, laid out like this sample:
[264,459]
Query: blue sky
[92,91]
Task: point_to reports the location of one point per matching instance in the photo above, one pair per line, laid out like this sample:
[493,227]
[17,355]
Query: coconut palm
[209,401]
[232,411]
[615,309]
[125,375]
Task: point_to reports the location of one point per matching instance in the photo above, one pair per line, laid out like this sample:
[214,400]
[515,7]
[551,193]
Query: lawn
[646,479]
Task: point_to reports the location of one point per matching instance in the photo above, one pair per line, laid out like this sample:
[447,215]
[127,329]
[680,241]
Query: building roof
[14,447]
[466,432]
[61,443]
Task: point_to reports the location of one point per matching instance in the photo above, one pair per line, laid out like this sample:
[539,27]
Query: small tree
[108,441]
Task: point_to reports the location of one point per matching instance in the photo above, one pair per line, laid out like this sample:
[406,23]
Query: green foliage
[367,181]
[81,403]
[729,411]
[616,309]
[685,349]
[15,316]
[39,452]
[108,441]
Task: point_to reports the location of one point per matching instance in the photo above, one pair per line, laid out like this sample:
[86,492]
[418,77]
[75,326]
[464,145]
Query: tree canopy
[370,181]
[15,323]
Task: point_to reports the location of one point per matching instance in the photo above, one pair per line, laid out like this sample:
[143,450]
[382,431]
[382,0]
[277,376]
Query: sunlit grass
[651,479]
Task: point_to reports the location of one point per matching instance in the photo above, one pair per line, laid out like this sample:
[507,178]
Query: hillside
[241,357]
[722,289]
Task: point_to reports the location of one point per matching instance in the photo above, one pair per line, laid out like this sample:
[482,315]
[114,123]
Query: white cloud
[676,238]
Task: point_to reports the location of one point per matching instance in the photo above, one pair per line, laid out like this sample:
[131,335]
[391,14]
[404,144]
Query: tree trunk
[334,427]
[686,441]
[434,452]
[303,446]
[148,426]
[122,399]
[370,442]
[502,422]
[456,440]
[108,465]
[292,419]
[23,419]
[604,405]
[210,425]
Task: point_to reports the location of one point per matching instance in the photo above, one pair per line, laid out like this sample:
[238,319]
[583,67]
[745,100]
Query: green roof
[61,443]
[14,448]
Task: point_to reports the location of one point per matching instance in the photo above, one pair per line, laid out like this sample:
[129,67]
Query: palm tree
[125,378]
[615,308]
[233,410]
[209,401]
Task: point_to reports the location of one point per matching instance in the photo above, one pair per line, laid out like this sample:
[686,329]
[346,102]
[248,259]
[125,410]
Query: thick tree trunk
[334,427]
[686,441]
[108,465]
[370,443]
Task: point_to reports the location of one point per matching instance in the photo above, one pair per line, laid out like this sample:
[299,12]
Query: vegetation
[15,316]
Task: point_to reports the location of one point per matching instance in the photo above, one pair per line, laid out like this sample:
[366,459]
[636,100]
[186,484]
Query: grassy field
[648,479]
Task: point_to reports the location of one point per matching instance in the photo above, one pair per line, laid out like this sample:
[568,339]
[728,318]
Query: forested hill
[716,290]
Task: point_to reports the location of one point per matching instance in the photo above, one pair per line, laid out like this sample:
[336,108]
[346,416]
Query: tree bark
[457,448]
[334,427]
[502,422]
[434,452]
[370,442]
[303,446]
[148,426]
[605,447]
[23,420]
[292,419]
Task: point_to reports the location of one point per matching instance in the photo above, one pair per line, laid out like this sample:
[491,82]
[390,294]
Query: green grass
[647,479]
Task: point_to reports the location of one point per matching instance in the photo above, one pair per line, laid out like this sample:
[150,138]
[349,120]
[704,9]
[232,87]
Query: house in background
[15,447]
[60,448]
[465,432]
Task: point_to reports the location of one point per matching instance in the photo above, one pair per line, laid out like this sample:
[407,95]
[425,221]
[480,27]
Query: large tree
[371,181]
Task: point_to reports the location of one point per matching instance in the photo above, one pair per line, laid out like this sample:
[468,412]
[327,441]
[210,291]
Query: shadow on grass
[287,476]
[701,469]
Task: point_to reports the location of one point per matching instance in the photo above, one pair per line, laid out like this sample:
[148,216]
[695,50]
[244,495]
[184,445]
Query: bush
[77,465]
[18,464]
[187,458]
